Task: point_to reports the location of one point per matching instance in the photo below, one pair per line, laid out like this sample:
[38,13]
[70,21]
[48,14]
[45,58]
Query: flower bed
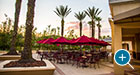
[43,70]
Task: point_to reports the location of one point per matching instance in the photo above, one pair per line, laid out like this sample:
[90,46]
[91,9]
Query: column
[118,70]
[133,48]
[137,45]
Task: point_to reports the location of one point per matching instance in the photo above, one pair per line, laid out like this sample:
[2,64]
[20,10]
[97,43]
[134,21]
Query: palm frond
[92,12]
[80,15]
[62,11]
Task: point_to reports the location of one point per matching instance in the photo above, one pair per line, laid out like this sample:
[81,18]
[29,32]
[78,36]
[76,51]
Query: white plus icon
[122,57]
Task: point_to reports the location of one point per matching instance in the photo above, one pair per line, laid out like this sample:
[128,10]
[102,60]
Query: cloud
[106,31]
[72,25]
[86,29]
[75,25]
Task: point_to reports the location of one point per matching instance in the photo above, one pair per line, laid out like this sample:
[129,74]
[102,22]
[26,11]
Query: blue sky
[44,14]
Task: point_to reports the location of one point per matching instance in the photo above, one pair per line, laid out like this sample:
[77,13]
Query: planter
[9,57]
[43,70]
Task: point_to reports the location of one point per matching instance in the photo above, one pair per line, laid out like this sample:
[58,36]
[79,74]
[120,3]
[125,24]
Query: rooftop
[119,1]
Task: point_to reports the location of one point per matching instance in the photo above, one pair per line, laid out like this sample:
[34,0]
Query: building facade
[125,25]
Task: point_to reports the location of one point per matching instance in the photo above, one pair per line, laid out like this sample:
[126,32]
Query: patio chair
[38,54]
[91,62]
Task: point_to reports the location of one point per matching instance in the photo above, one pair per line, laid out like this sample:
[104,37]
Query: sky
[44,14]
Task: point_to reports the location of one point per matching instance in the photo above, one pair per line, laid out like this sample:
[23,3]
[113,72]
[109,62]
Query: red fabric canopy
[48,41]
[99,42]
[104,43]
[41,41]
[60,40]
[94,41]
[83,40]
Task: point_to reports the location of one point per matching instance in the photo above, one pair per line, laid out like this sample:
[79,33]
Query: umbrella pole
[39,46]
[80,48]
[92,48]
[62,48]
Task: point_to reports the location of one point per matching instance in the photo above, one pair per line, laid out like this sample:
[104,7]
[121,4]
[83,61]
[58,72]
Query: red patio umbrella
[95,41]
[72,40]
[99,42]
[60,40]
[41,41]
[48,41]
[83,40]
[104,43]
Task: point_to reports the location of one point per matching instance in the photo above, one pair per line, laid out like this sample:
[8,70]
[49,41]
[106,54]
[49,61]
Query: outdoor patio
[106,68]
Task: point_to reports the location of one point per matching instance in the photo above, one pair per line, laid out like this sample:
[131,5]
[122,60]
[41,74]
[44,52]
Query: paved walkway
[68,69]
[106,68]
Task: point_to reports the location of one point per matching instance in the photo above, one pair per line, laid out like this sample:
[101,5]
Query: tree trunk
[62,33]
[80,33]
[62,27]
[26,55]
[99,33]
[14,35]
[80,28]
[93,31]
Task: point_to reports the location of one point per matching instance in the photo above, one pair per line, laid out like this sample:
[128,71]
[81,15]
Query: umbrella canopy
[48,41]
[41,41]
[95,41]
[99,42]
[104,43]
[72,40]
[60,40]
[83,40]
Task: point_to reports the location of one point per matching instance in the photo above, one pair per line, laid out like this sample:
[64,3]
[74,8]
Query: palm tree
[53,31]
[26,55]
[99,27]
[92,13]
[49,29]
[58,28]
[90,26]
[14,35]
[62,12]
[80,16]
[70,34]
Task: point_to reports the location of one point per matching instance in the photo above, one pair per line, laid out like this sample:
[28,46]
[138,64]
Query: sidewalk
[68,69]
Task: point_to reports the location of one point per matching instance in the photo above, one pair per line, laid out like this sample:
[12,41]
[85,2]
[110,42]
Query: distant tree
[44,33]
[49,29]
[104,37]
[108,36]
[90,26]
[53,31]
[5,33]
[58,29]
[98,19]
[93,13]
[13,43]
[70,34]
[34,36]
[80,16]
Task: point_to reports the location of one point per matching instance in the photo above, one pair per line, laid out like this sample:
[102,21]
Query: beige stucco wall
[120,8]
